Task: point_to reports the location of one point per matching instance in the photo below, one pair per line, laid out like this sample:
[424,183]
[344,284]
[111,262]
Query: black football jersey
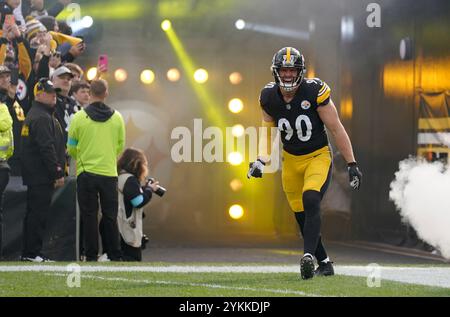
[302,130]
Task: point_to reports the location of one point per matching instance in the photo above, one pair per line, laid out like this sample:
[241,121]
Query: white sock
[326,260]
[309,254]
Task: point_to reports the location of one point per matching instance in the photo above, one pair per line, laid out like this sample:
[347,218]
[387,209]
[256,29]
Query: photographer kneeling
[132,168]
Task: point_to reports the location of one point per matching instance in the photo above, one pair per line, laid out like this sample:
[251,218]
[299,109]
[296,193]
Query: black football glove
[256,169]
[354,175]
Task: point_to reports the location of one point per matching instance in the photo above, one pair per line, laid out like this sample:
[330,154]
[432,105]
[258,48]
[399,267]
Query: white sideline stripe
[159,269]
[430,276]
[120,279]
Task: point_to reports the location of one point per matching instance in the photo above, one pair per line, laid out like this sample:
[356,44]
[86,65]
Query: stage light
[235,105]
[120,75]
[166,25]
[87,22]
[235,78]
[347,28]
[201,76]
[237,130]
[147,76]
[209,103]
[236,212]
[173,74]
[91,73]
[236,185]
[235,158]
[239,24]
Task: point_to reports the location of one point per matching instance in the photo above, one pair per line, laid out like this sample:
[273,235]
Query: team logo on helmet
[289,62]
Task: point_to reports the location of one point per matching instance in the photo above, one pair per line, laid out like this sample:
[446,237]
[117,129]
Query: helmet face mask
[288,57]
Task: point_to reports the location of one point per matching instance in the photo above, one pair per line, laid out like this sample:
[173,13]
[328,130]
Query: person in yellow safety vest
[6,151]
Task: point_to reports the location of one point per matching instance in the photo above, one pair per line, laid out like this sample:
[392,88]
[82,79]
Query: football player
[301,109]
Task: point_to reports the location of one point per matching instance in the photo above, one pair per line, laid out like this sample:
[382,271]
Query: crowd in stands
[43,88]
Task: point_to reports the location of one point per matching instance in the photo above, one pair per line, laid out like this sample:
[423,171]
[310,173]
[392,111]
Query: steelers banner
[433,138]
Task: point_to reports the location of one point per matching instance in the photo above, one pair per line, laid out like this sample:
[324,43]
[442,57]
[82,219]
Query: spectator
[7,7]
[35,33]
[64,28]
[14,53]
[14,45]
[76,70]
[54,61]
[65,106]
[49,22]
[7,96]
[96,138]
[80,93]
[133,171]
[43,165]
[36,8]
[6,150]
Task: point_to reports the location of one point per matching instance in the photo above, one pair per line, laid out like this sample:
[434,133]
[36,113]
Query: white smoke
[421,192]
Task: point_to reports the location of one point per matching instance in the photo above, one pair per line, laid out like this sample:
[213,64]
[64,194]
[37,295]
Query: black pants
[4,179]
[89,188]
[320,253]
[130,253]
[39,198]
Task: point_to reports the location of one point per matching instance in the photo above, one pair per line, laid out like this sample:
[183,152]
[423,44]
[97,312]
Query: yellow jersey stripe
[434,123]
[323,97]
[323,90]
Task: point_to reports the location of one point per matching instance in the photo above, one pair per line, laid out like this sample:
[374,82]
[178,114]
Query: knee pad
[311,202]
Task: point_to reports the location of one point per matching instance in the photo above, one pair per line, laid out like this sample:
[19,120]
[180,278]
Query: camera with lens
[160,191]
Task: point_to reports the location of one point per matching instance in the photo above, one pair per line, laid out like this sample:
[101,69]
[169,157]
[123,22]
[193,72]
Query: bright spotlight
[166,25]
[173,75]
[239,24]
[237,130]
[120,75]
[236,212]
[235,78]
[201,76]
[91,73]
[235,158]
[147,76]
[236,185]
[87,22]
[235,105]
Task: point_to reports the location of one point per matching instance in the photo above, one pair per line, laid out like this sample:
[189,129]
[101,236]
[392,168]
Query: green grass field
[193,284]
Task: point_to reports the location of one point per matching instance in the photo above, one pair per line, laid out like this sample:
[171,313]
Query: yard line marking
[218,286]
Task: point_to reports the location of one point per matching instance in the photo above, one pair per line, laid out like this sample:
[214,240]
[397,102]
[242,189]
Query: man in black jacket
[43,164]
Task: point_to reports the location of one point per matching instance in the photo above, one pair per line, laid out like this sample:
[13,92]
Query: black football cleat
[324,269]
[307,267]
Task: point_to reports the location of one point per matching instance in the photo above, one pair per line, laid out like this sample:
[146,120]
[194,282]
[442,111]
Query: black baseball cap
[45,85]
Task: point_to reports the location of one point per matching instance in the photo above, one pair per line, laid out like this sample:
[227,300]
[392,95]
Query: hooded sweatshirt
[96,139]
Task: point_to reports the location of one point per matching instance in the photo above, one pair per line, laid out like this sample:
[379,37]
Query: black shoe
[324,269]
[307,267]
